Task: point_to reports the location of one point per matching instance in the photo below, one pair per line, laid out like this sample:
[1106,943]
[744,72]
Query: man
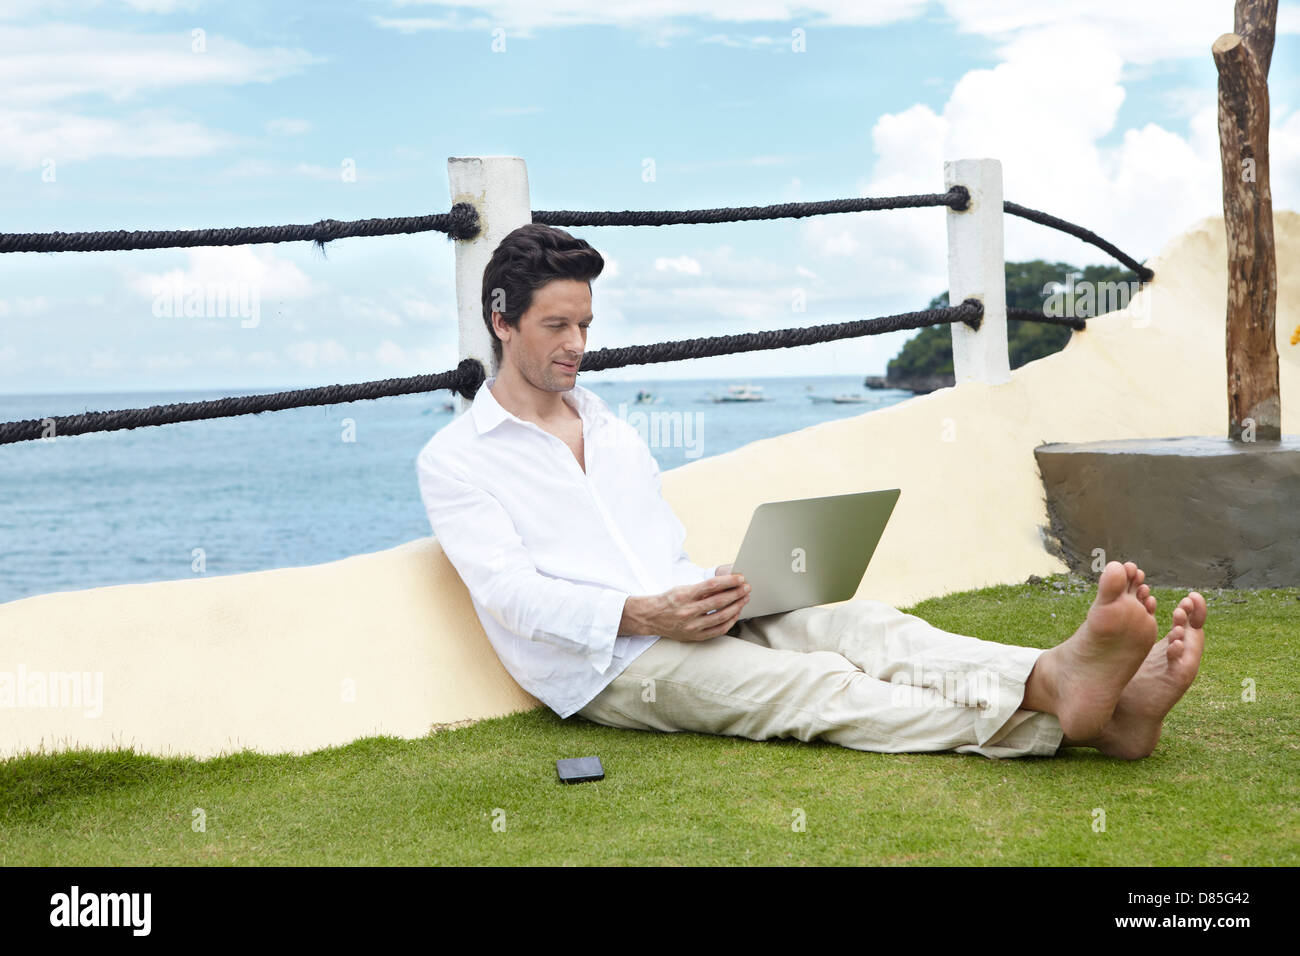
[550,508]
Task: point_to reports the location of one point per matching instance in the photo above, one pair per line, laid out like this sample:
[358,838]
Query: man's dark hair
[527,259]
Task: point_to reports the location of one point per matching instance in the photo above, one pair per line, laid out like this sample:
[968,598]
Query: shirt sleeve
[685,571]
[481,542]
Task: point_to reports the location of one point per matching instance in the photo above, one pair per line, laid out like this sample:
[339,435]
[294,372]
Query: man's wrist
[636,615]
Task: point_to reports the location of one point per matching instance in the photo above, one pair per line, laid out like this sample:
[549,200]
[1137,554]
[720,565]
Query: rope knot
[470,375]
[326,230]
[462,221]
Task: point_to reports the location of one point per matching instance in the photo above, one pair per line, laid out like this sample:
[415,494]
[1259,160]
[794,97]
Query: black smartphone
[578,769]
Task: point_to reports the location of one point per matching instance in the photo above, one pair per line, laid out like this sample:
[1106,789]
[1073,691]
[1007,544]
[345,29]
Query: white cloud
[389,352]
[361,310]
[20,9]
[729,302]
[58,61]
[665,306]
[742,291]
[744,41]
[1284,161]
[49,70]
[334,174]
[25,305]
[520,17]
[389,355]
[684,265]
[1042,112]
[262,359]
[410,361]
[1142,32]
[837,242]
[170,362]
[28,138]
[324,173]
[409,25]
[162,6]
[312,354]
[257,268]
[427,311]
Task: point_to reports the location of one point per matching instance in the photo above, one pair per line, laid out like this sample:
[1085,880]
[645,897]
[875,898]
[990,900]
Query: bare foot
[1160,682]
[1085,676]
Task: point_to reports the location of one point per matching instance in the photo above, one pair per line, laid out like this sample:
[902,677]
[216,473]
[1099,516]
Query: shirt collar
[488,412]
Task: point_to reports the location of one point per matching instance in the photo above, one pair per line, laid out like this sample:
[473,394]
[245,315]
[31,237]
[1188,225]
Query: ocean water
[285,489]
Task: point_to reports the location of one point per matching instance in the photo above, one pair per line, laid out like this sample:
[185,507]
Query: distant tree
[930,351]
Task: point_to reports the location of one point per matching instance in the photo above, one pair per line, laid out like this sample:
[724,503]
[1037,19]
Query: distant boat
[844,398]
[742,393]
[645,398]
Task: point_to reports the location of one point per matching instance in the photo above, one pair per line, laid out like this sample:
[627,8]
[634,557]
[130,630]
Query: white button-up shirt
[550,553]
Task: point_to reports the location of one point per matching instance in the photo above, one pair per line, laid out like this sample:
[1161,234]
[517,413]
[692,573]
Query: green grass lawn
[1223,787]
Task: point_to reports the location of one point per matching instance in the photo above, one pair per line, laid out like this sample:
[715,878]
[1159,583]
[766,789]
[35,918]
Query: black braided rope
[469,375]
[466,378]
[958,198]
[971,312]
[1087,235]
[1033,315]
[460,223]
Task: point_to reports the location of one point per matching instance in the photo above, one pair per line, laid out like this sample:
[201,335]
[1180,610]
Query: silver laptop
[810,551]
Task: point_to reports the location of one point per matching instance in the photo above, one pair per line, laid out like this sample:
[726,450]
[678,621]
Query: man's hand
[689,612]
[723,569]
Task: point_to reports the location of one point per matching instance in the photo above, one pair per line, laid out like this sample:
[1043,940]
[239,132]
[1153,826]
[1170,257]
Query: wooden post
[1242,59]
[497,186]
[977,269]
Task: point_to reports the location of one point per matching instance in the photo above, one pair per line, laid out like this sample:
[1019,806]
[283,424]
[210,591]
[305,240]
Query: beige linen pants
[860,674]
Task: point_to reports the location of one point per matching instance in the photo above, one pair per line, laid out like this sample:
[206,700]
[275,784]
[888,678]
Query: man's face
[552,331]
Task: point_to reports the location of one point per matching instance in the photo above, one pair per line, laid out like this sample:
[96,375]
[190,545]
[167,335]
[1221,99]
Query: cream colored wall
[264,660]
[971,508]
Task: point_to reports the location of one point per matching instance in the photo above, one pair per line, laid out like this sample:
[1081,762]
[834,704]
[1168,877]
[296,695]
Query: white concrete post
[977,269]
[497,186]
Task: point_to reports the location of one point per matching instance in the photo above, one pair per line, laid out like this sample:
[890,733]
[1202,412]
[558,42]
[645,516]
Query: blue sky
[119,115]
